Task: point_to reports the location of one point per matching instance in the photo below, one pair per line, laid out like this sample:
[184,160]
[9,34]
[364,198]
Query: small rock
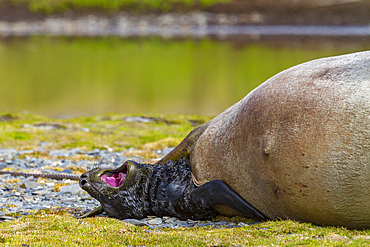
[43,144]
[48,171]
[138,119]
[35,207]
[26,152]
[39,192]
[75,151]
[84,164]
[29,185]
[56,153]
[28,198]
[135,222]
[231,225]
[181,223]
[56,163]
[170,220]
[120,159]
[3,165]
[241,224]
[72,199]
[222,222]
[191,221]
[155,221]
[203,224]
[66,163]
[4,151]
[69,171]
[6,218]
[73,189]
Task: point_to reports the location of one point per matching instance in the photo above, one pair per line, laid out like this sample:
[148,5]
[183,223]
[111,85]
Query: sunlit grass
[48,228]
[100,131]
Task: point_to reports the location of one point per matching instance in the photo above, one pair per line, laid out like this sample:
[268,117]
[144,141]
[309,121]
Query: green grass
[49,6]
[17,135]
[20,131]
[48,228]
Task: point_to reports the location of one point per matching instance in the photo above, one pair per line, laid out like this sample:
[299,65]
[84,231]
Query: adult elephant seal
[297,147]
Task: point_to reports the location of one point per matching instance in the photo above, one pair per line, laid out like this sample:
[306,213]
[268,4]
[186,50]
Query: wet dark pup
[136,191]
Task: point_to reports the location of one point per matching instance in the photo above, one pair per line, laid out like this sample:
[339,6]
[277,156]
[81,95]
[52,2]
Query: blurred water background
[66,74]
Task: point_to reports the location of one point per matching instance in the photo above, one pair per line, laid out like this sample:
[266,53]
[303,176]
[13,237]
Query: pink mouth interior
[115,180]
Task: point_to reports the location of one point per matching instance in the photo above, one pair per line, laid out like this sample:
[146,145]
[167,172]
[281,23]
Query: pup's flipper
[95,211]
[218,192]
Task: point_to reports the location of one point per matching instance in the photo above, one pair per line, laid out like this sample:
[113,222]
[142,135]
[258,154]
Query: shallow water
[60,76]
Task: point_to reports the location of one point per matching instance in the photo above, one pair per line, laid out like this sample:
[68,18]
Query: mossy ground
[59,228]
[48,228]
[28,131]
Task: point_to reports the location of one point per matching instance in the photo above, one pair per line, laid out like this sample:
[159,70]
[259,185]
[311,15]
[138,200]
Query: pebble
[25,196]
[135,222]
[138,119]
[29,185]
[155,221]
[73,189]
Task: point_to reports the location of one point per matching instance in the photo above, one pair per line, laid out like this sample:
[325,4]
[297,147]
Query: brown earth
[293,12]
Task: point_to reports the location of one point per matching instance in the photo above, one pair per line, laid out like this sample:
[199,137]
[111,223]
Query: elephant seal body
[298,146]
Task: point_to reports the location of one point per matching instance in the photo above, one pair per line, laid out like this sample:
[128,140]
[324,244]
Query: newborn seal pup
[297,147]
[136,191]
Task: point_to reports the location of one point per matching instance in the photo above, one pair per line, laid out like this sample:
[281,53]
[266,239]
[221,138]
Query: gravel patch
[26,195]
[123,24]
[171,25]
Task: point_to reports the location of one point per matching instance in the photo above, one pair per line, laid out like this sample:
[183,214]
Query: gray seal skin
[297,147]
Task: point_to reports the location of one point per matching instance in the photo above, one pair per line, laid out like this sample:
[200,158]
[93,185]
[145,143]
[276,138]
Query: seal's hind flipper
[95,211]
[218,192]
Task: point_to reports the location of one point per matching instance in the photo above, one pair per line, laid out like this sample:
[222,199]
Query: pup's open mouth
[116,177]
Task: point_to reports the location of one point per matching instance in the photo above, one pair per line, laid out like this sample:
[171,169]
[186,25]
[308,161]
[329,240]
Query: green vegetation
[27,131]
[48,228]
[49,6]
